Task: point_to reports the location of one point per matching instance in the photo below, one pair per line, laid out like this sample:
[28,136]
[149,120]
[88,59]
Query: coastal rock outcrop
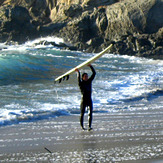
[135,26]
[15,24]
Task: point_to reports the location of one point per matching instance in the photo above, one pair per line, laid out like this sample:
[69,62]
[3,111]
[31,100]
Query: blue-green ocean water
[28,93]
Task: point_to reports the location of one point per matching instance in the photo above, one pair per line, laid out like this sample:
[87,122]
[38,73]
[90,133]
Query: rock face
[135,26]
[15,24]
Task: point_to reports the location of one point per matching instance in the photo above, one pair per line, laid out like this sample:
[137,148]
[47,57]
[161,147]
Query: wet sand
[125,136]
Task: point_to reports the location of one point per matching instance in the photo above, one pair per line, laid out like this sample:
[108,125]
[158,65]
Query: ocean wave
[32,60]
[135,59]
[24,67]
[14,116]
[29,94]
[149,96]
[10,117]
[39,43]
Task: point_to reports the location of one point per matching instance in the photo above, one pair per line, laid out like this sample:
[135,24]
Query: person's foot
[83,128]
[90,129]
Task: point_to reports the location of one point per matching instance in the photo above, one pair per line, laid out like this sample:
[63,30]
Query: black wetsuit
[86,90]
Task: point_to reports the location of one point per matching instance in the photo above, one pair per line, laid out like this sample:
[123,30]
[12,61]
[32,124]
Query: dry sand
[125,136]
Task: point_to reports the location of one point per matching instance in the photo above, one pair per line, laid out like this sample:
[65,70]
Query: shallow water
[27,91]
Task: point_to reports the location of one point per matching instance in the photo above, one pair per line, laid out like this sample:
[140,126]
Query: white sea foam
[42,39]
[38,43]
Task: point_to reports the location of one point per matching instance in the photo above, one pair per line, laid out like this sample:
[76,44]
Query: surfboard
[87,62]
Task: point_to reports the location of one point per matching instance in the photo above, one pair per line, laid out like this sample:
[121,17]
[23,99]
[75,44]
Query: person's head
[85,76]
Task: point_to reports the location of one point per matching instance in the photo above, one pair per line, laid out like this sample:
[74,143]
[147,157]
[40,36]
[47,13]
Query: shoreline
[116,137]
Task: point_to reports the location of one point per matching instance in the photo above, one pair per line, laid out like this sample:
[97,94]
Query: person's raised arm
[78,75]
[93,72]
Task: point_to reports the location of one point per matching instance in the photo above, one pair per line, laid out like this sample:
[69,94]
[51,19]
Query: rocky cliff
[135,26]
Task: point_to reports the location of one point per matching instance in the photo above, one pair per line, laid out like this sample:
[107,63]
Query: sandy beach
[125,136]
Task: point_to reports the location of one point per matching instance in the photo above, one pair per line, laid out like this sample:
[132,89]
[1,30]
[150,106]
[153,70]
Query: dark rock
[50,28]
[73,10]
[135,26]
[101,20]
[19,15]
[143,44]
[154,18]
[15,24]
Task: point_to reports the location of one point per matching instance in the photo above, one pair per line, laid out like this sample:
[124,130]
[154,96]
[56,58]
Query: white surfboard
[89,61]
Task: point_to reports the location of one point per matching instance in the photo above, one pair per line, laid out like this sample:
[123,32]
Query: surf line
[89,61]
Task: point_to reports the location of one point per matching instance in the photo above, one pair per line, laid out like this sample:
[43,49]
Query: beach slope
[123,136]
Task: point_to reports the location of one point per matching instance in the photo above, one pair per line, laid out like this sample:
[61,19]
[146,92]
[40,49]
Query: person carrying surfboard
[85,86]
